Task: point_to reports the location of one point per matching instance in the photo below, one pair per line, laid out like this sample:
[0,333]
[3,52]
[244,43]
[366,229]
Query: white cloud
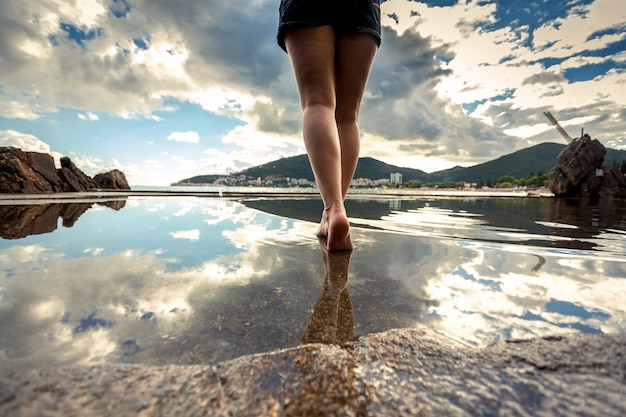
[24,141]
[87,163]
[253,141]
[88,116]
[190,137]
[14,109]
[192,235]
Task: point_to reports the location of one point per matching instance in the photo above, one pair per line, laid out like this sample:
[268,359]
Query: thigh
[312,54]
[354,56]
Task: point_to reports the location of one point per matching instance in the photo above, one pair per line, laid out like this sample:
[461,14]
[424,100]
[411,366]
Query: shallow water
[189,280]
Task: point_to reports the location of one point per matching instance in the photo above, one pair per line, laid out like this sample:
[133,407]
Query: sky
[165,90]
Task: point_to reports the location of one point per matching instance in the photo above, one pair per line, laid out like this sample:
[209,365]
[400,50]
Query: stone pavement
[403,372]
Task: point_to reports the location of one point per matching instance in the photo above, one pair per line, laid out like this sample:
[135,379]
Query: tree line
[533,180]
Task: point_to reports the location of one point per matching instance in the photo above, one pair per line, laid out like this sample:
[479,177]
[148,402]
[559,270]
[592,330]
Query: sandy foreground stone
[394,373]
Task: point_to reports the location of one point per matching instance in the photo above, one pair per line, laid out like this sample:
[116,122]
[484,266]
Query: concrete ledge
[395,373]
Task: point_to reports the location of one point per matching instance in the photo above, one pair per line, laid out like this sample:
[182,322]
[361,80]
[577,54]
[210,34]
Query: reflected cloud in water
[494,269]
[198,280]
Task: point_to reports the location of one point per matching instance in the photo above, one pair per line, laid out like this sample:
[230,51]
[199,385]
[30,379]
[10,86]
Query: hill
[299,167]
[519,164]
[292,167]
[538,158]
[374,169]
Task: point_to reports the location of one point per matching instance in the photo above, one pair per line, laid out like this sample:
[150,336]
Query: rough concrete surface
[395,373]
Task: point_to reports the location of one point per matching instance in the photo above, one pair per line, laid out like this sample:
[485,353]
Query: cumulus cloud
[459,84]
[190,136]
[24,141]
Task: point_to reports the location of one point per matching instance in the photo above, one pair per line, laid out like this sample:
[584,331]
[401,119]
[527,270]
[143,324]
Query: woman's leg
[353,58]
[312,53]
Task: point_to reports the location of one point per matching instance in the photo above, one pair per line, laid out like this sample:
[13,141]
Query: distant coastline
[252,192]
[374,192]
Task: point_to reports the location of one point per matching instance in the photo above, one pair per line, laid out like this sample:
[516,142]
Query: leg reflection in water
[332,320]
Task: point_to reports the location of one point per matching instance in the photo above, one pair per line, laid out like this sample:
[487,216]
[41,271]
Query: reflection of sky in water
[162,225]
[198,280]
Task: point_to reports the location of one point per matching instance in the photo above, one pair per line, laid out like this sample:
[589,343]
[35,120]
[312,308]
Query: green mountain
[374,170]
[299,167]
[536,159]
[292,167]
[520,164]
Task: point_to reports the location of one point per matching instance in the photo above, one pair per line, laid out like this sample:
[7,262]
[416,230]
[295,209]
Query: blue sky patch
[588,72]
[140,43]
[148,316]
[90,323]
[471,107]
[440,3]
[80,35]
[610,49]
[570,309]
[548,62]
[532,14]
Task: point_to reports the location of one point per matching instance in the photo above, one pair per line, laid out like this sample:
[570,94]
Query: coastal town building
[395,178]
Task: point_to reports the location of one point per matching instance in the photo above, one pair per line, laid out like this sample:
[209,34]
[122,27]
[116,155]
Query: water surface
[190,280]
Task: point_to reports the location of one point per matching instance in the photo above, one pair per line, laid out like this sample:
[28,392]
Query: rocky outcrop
[73,179]
[395,373]
[35,172]
[112,180]
[27,172]
[580,172]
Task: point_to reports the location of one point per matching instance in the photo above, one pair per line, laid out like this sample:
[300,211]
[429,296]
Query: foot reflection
[332,320]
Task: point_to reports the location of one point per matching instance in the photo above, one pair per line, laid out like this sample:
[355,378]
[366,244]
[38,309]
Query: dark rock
[73,179]
[580,158]
[579,172]
[112,180]
[396,373]
[35,172]
[43,164]
[27,172]
[558,183]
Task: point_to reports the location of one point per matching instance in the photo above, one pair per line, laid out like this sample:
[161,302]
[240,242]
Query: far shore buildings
[366,182]
[395,178]
[271,181]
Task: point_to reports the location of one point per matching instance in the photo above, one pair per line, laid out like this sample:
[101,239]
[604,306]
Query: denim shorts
[345,16]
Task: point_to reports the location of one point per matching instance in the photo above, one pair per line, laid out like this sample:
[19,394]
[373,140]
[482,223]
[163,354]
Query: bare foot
[322,231]
[338,230]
